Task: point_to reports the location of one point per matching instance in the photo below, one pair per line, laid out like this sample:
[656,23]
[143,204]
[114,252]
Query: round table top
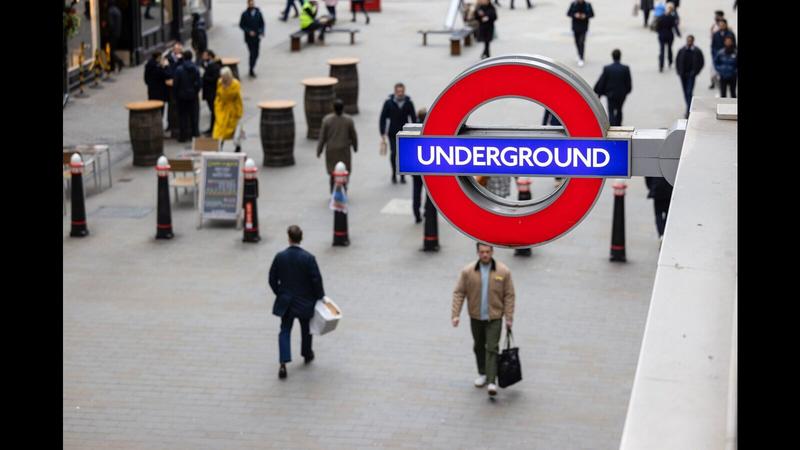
[145,105]
[229,61]
[343,61]
[277,104]
[320,81]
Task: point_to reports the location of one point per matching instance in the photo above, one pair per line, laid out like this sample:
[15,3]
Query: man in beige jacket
[489,291]
[337,136]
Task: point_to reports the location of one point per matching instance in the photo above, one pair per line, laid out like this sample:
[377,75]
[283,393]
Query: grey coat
[337,135]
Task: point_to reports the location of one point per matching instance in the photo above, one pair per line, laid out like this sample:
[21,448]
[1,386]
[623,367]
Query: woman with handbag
[228,108]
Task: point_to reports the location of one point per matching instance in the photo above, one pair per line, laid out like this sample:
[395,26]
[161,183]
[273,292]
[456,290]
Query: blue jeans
[688,88]
[285,337]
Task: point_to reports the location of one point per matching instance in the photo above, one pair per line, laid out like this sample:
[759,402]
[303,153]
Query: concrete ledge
[686,371]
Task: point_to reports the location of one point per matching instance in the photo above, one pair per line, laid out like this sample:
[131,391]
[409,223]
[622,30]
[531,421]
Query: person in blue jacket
[727,66]
[295,279]
[252,23]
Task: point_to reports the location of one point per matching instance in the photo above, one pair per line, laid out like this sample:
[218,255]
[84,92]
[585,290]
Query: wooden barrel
[319,99]
[147,134]
[233,63]
[344,70]
[277,132]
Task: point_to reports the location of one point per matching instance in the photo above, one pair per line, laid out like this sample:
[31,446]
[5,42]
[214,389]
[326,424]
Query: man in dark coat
[114,33]
[199,36]
[173,59]
[551,120]
[646,6]
[615,84]
[718,38]
[187,87]
[580,11]
[295,279]
[398,110]
[252,23]
[213,65]
[689,63]
[486,16]
[661,193]
[727,65]
[155,77]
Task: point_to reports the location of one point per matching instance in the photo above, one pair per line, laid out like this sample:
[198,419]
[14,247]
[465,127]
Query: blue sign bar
[453,155]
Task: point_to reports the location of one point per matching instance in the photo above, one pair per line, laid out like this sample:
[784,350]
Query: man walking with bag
[295,279]
[489,291]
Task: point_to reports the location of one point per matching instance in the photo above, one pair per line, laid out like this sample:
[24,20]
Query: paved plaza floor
[171,344]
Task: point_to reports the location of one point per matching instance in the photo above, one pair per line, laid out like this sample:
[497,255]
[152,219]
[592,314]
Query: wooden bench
[297,35]
[425,34]
[455,40]
[345,30]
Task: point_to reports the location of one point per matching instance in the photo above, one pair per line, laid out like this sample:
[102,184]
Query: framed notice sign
[221,186]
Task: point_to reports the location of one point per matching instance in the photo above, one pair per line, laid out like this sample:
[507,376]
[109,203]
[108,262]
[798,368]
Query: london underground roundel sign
[447,161]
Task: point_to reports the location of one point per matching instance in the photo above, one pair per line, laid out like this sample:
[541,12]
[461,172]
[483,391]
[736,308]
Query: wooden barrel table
[344,70]
[319,99]
[233,63]
[147,134]
[277,132]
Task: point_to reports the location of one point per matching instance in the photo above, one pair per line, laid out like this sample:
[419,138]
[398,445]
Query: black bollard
[523,193]
[164,216]
[618,227]
[430,240]
[339,206]
[78,206]
[250,202]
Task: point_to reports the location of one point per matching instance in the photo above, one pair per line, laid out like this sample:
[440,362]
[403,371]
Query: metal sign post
[584,151]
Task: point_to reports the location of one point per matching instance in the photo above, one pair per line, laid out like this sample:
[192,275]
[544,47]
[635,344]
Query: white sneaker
[492,389]
[580,63]
[480,381]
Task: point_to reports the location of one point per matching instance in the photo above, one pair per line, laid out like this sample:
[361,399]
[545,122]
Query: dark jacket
[397,116]
[210,77]
[665,26]
[646,5]
[486,29]
[726,64]
[295,279]
[718,40]
[174,62]
[615,82]
[689,63]
[187,81]
[199,36]
[154,78]
[580,25]
[114,22]
[250,23]
[658,188]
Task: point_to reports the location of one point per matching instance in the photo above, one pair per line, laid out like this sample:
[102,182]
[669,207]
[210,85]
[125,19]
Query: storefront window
[81,27]
[152,13]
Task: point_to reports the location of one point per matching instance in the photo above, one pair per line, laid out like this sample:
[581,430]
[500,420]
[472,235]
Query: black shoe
[403,179]
[238,149]
[309,358]
[252,74]
[417,219]
[367,20]
[394,179]
[282,372]
[283,19]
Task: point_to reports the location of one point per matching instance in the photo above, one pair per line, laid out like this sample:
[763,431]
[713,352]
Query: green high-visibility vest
[307,13]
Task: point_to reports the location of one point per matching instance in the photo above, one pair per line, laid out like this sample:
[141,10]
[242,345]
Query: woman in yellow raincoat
[228,107]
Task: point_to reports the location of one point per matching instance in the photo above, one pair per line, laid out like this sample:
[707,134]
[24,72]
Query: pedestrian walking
[580,11]
[336,137]
[187,87]
[289,4]
[665,26]
[551,120]
[661,193]
[199,36]
[718,15]
[114,34]
[727,65]
[308,21]
[530,5]
[173,58]
[489,291]
[213,66]
[353,4]
[646,6]
[252,23]
[398,110]
[297,284]
[416,180]
[155,77]
[688,63]
[486,15]
[615,84]
[228,108]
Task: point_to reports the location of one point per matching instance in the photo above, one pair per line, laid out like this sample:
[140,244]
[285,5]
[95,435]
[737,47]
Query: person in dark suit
[667,28]
[252,23]
[398,110]
[661,192]
[416,195]
[295,279]
[486,15]
[155,77]
[187,87]
[689,63]
[551,120]
[213,65]
[199,36]
[115,33]
[580,11]
[615,84]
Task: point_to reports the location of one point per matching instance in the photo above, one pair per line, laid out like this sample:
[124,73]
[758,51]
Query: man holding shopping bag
[489,291]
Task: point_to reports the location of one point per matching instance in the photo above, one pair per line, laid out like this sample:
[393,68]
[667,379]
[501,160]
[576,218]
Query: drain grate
[121,212]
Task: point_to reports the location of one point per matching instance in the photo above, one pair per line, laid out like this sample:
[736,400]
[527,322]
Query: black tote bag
[509,370]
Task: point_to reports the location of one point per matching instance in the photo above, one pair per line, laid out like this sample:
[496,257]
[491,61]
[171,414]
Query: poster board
[221,186]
